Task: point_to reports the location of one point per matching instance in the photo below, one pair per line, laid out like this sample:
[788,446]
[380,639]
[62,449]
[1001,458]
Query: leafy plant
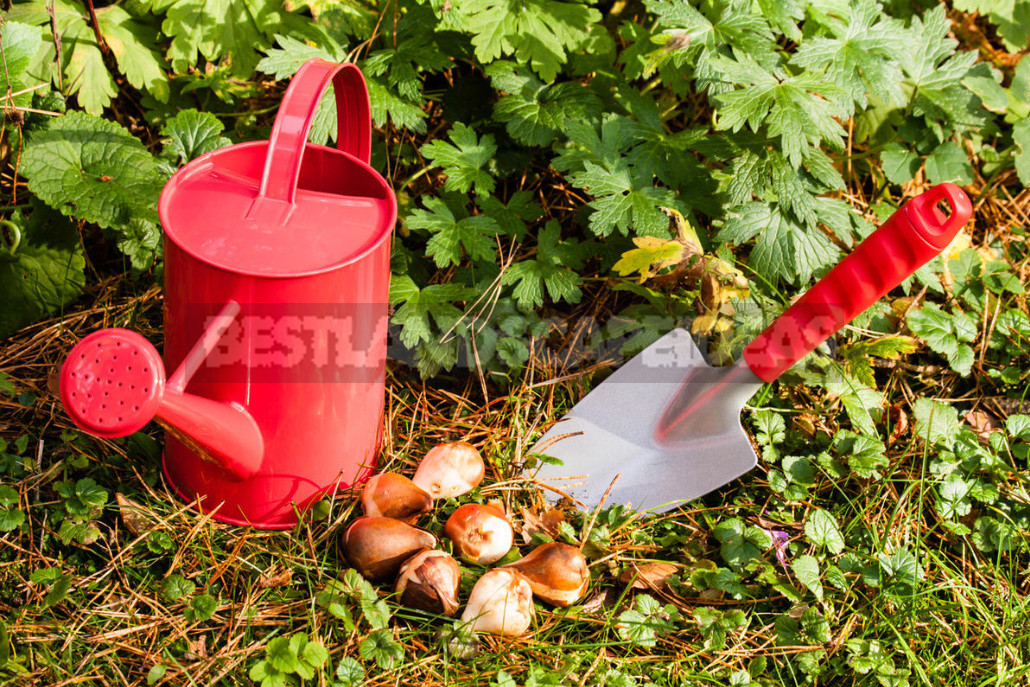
[289,660]
[646,621]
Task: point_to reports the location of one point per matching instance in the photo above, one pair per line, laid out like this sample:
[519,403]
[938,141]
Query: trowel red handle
[917,232]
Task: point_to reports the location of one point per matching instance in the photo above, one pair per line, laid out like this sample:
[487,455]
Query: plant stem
[96,27]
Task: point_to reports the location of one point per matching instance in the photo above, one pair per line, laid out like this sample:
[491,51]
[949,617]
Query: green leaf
[860,55]
[1021,137]
[864,454]
[806,569]
[85,73]
[21,44]
[315,654]
[282,655]
[642,624]
[802,110]
[381,647]
[553,268]
[92,169]
[815,625]
[936,423]
[454,236]
[899,163]
[464,162]
[821,529]
[1018,427]
[57,593]
[44,273]
[736,548]
[537,32]
[45,575]
[935,70]
[502,679]
[948,162]
[783,249]
[215,29]
[947,334]
[134,46]
[11,519]
[533,112]
[349,672]
[190,134]
[771,432]
[202,607]
[625,198]
[156,673]
[511,218]
[176,587]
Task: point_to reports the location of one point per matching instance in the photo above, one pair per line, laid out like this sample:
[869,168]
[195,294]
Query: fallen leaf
[546,522]
[899,423]
[196,649]
[983,423]
[601,601]
[651,575]
[273,578]
[136,517]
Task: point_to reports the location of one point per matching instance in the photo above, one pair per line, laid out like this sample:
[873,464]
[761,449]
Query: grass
[116,607]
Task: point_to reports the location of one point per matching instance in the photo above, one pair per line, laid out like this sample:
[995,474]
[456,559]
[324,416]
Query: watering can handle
[296,114]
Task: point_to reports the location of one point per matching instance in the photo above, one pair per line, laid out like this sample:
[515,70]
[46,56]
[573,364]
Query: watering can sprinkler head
[113,383]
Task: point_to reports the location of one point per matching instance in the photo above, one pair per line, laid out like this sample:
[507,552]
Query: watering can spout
[224,433]
[113,383]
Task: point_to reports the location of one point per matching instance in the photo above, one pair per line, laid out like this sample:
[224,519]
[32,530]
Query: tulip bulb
[392,495]
[377,546]
[481,534]
[557,573]
[450,470]
[429,581]
[501,603]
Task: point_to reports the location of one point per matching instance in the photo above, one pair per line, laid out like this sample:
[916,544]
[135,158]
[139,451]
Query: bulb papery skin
[450,470]
[428,581]
[557,572]
[501,603]
[481,534]
[392,495]
[377,546]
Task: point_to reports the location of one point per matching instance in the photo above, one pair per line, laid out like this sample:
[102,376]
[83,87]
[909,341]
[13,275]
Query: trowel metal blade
[666,423]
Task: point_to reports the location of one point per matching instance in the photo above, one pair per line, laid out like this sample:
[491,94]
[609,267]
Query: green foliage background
[749,119]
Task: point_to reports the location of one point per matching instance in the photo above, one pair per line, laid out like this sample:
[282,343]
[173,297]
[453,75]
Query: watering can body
[276,307]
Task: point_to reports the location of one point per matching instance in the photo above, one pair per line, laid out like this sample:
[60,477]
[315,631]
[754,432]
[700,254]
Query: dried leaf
[600,602]
[651,575]
[275,577]
[137,518]
[983,423]
[546,522]
[899,423]
[196,649]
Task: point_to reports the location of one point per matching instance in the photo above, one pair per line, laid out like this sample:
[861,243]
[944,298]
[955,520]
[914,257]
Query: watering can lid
[261,209]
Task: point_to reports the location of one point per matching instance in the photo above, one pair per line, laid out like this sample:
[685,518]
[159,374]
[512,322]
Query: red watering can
[276,288]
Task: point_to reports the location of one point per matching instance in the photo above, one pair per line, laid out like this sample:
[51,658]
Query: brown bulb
[481,534]
[557,573]
[377,546]
[450,470]
[429,581]
[392,495]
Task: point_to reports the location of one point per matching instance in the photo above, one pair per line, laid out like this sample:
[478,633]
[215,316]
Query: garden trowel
[665,427]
